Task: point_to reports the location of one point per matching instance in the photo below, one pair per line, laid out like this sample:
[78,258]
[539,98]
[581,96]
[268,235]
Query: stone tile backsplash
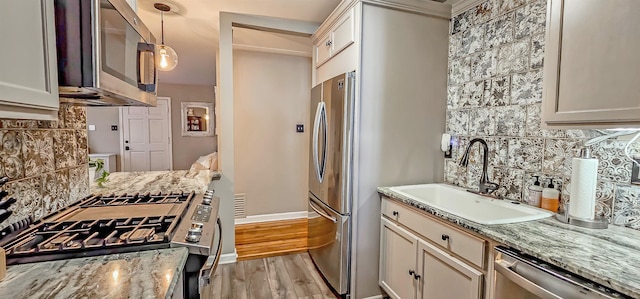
[47,162]
[496,59]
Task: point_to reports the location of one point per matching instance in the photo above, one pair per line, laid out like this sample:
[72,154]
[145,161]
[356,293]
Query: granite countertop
[156,181]
[143,274]
[610,257]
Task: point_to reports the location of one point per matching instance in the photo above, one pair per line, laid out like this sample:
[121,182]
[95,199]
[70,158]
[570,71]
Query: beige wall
[187,149]
[271,96]
[103,140]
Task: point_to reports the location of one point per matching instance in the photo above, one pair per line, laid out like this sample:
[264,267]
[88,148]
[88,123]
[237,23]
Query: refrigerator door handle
[316,133]
[323,121]
[323,214]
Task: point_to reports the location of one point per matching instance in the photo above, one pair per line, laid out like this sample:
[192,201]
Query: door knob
[126,148]
[126,141]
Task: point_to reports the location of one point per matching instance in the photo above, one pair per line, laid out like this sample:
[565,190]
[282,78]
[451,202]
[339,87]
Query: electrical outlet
[114,128]
[299,128]
[448,153]
[635,172]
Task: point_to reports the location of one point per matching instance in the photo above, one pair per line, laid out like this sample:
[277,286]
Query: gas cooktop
[117,223]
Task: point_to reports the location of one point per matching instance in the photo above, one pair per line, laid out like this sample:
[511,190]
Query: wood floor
[286,276]
[266,239]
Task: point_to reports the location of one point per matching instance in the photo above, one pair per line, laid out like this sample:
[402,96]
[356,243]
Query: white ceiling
[191,28]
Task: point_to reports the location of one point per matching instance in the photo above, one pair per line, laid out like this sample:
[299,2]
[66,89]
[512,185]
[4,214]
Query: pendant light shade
[166,57]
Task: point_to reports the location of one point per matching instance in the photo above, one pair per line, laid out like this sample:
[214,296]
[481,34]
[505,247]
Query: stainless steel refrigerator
[330,169]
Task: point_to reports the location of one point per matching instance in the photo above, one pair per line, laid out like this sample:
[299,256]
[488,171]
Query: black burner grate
[134,199]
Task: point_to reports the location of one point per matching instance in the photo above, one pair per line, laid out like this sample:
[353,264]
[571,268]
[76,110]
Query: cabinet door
[29,77]
[592,66]
[323,50]
[397,259]
[343,34]
[444,276]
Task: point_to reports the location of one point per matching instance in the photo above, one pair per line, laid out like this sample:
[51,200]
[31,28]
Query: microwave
[105,54]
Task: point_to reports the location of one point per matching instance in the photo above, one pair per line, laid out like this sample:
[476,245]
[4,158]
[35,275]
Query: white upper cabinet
[341,36]
[28,65]
[592,66]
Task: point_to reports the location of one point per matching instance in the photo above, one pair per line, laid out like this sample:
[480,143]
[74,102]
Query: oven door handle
[506,269]
[209,268]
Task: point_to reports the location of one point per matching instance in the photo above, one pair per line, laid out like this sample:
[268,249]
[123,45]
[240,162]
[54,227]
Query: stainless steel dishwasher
[518,276]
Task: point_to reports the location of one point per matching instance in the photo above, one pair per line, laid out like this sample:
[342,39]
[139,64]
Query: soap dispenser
[535,193]
[550,198]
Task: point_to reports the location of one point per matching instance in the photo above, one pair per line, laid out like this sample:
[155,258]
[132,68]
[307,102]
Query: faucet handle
[489,187]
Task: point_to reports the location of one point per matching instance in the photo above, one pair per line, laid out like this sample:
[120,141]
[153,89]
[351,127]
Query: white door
[146,143]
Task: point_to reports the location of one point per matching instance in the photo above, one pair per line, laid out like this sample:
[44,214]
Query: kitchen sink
[471,206]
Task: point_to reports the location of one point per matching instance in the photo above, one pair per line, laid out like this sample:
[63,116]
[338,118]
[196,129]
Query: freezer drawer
[328,242]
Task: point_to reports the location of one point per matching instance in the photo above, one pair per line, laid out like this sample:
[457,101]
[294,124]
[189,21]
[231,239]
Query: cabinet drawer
[461,243]
[343,34]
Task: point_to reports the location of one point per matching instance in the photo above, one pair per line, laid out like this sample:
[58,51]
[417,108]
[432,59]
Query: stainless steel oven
[519,276]
[105,54]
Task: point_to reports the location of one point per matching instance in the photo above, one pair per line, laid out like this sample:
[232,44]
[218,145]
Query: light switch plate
[92,127]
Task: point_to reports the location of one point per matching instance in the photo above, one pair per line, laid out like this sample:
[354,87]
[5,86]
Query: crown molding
[423,7]
[463,6]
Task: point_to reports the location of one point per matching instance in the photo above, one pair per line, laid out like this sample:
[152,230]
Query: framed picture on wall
[198,119]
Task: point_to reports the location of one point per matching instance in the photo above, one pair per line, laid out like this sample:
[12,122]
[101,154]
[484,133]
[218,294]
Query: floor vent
[239,202]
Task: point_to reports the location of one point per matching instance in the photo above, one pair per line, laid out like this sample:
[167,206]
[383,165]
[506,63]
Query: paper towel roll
[584,178]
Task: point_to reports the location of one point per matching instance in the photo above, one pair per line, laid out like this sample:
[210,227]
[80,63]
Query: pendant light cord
[162,25]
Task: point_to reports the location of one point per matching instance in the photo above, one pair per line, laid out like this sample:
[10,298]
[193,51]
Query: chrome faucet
[485,187]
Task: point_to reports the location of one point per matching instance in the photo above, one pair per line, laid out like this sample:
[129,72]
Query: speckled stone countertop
[610,257]
[156,181]
[143,274]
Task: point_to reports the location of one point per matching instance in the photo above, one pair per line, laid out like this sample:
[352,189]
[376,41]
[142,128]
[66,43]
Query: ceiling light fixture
[166,58]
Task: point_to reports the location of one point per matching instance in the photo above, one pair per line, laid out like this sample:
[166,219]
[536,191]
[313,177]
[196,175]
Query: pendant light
[166,57]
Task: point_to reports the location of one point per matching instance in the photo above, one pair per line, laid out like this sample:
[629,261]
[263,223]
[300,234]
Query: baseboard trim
[229,258]
[271,217]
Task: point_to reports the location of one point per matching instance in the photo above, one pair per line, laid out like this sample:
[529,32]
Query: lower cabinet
[444,276]
[398,261]
[411,267]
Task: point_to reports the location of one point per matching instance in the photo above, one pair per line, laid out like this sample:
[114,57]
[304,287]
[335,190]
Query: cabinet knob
[445,237]
[328,43]
[411,272]
[395,213]
[416,276]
